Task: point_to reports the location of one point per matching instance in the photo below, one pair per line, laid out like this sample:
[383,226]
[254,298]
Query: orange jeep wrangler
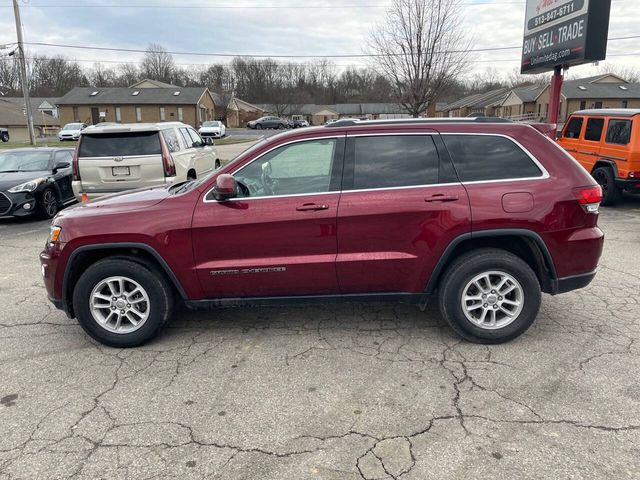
[607,143]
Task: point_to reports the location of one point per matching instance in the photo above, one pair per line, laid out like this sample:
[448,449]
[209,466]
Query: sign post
[563,33]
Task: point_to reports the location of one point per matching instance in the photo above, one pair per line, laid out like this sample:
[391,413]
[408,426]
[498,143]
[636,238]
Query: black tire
[258,126]
[5,137]
[217,164]
[607,181]
[459,275]
[159,292]
[48,203]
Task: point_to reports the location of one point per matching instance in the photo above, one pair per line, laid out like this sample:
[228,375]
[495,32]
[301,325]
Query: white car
[71,131]
[117,157]
[213,128]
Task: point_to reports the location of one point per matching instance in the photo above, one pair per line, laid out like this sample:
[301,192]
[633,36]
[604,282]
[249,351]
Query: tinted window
[619,132]
[120,144]
[394,161]
[489,157]
[303,167]
[171,139]
[63,157]
[574,127]
[594,129]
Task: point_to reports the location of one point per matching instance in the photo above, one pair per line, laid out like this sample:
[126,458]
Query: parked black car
[268,122]
[35,181]
[4,135]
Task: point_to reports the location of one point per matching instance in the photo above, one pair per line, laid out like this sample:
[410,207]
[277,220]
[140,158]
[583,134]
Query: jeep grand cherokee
[482,214]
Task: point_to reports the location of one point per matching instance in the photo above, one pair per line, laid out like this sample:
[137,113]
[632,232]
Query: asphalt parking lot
[349,391]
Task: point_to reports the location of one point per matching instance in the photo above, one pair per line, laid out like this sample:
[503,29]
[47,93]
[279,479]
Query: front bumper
[211,134]
[49,262]
[23,204]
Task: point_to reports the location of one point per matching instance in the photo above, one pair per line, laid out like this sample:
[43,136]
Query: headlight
[54,233]
[27,186]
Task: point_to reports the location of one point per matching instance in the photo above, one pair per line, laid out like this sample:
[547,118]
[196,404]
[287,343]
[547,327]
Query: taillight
[74,162]
[589,197]
[167,160]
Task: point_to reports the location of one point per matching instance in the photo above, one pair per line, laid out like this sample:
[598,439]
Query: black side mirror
[61,166]
[208,141]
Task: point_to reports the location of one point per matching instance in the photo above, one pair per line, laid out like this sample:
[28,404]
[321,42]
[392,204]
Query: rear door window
[188,141]
[594,128]
[120,144]
[388,161]
[489,157]
[619,132]
[573,128]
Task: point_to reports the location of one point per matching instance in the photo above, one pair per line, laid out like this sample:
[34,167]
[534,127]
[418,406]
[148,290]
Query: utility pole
[23,74]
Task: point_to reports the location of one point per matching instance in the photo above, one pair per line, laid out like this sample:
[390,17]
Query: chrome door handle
[441,198]
[311,207]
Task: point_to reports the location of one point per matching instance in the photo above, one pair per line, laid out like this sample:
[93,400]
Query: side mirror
[226,187]
[208,141]
[61,166]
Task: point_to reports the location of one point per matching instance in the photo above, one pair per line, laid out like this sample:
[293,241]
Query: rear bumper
[632,185]
[574,282]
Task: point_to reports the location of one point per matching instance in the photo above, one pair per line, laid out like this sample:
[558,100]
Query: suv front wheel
[489,296]
[122,303]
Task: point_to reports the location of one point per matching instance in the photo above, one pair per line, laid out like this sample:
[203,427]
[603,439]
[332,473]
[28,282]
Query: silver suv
[115,157]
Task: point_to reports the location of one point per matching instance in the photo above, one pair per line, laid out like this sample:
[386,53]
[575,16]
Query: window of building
[508,161]
[594,128]
[625,103]
[162,115]
[597,105]
[180,114]
[574,127]
[619,132]
[299,168]
[76,116]
[583,104]
[138,114]
[118,115]
[394,161]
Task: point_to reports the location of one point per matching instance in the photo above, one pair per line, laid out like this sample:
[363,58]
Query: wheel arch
[526,244]
[603,162]
[82,257]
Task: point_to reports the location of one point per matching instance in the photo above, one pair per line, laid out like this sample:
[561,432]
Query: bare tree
[158,64]
[421,46]
[627,72]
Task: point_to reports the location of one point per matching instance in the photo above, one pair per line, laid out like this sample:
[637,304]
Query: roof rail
[345,122]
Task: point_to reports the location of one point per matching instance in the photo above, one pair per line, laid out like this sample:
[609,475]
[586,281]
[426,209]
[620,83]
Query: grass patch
[39,143]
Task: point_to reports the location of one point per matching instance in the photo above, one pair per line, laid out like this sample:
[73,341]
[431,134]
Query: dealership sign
[564,33]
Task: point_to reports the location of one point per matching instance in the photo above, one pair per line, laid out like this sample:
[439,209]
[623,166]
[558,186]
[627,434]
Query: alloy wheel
[492,300]
[119,304]
[50,203]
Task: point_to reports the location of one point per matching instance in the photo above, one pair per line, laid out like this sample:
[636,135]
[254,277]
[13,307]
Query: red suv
[483,214]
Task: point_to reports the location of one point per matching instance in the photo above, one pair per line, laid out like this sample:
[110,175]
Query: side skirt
[415,298]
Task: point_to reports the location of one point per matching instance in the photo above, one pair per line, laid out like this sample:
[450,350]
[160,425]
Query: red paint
[351,242]
[554,95]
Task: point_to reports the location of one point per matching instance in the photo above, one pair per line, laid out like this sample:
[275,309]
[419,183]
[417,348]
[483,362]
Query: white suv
[115,157]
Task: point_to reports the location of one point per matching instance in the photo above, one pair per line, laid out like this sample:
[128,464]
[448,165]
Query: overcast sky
[254,27]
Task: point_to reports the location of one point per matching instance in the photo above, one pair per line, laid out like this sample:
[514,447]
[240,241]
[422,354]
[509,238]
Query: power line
[233,55]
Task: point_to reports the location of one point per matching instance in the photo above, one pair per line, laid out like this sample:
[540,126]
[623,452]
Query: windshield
[210,124]
[72,126]
[28,161]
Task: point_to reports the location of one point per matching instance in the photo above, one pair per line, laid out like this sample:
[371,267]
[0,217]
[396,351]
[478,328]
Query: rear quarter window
[489,157]
[120,144]
[619,132]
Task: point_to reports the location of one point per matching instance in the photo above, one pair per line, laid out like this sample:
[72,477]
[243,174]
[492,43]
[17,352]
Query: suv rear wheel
[489,296]
[122,303]
[606,179]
